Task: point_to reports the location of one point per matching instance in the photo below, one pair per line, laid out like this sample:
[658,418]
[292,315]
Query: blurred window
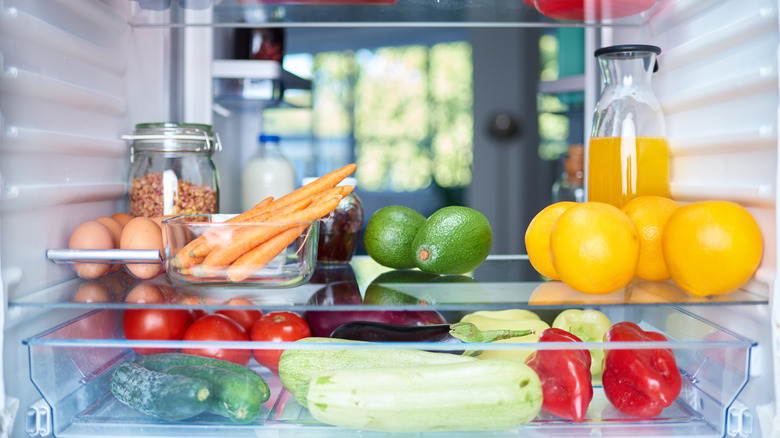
[402,113]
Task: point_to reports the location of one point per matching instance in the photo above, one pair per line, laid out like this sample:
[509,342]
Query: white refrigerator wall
[74,76]
[718,86]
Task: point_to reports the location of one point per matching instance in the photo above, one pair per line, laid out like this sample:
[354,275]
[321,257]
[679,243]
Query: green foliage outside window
[406,110]
[556,110]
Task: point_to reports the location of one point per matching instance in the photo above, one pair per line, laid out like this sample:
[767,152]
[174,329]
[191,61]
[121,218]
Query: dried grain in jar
[172,171]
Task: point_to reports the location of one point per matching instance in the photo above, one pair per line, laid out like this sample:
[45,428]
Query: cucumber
[162,361]
[490,394]
[160,395]
[232,395]
[298,366]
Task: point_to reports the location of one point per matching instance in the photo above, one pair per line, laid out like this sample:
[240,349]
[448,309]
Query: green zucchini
[162,361]
[232,395]
[160,395]
[298,366]
[489,394]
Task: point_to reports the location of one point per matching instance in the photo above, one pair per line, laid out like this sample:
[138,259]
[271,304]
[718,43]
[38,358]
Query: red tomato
[245,317]
[277,327]
[155,324]
[216,327]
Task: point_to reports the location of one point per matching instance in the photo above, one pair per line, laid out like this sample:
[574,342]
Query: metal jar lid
[174,137]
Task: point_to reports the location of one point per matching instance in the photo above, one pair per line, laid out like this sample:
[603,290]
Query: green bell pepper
[589,325]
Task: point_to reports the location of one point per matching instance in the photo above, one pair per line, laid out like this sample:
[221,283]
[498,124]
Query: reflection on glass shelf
[500,282]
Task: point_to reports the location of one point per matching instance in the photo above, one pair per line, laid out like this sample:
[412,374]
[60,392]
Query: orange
[649,214]
[712,247]
[656,292]
[558,292]
[537,238]
[595,248]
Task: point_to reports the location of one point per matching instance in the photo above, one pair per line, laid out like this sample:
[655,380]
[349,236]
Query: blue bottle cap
[264,138]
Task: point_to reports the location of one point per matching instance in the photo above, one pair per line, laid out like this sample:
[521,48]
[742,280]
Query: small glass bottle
[570,186]
[628,152]
[172,171]
[339,232]
[267,173]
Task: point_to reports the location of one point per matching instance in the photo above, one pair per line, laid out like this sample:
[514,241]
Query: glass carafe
[628,152]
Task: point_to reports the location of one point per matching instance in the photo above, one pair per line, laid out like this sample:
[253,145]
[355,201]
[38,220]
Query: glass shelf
[355,13]
[500,282]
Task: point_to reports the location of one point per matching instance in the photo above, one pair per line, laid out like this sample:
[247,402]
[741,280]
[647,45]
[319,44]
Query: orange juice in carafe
[627,154]
[623,168]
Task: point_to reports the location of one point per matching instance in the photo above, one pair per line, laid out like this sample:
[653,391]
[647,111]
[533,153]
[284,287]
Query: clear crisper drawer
[71,367]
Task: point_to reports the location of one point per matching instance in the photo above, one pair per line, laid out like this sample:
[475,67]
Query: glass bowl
[206,250]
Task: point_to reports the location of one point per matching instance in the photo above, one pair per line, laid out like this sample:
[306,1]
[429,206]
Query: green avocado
[454,240]
[389,234]
[380,290]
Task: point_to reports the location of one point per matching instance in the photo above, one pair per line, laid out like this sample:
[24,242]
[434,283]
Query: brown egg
[142,233]
[116,230]
[190,299]
[114,285]
[158,220]
[127,279]
[92,292]
[122,218]
[145,293]
[91,235]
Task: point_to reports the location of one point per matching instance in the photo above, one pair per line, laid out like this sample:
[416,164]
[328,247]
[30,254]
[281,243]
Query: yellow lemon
[537,238]
[649,214]
[712,247]
[595,248]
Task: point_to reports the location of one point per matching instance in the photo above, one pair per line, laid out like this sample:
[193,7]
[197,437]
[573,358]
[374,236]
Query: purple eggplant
[457,333]
[322,322]
[337,293]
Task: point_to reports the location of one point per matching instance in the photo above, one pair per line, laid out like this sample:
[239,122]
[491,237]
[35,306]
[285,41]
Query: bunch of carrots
[249,248]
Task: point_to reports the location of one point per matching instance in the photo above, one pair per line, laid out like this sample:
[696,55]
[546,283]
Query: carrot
[318,185]
[322,188]
[326,194]
[194,252]
[262,203]
[189,255]
[255,259]
[231,234]
[257,234]
[257,208]
[286,209]
[346,190]
[224,255]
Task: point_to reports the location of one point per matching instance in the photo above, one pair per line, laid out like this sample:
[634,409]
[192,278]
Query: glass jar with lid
[172,171]
[339,232]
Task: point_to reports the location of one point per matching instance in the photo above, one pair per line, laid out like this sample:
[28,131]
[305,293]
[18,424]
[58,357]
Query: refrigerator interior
[76,75]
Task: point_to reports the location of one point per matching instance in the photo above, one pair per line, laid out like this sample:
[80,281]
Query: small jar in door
[339,232]
[267,173]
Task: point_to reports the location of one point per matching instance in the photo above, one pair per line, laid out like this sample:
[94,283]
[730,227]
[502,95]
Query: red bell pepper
[565,376]
[639,382]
